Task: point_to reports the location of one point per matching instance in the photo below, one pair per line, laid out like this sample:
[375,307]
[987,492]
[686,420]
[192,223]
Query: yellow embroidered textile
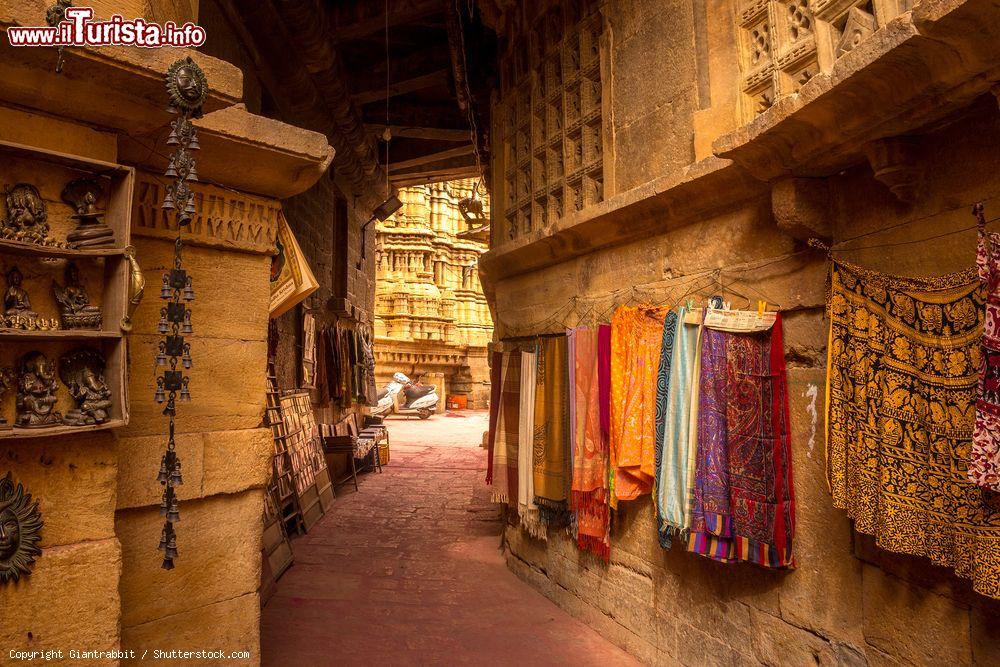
[636,339]
[901,386]
[552,472]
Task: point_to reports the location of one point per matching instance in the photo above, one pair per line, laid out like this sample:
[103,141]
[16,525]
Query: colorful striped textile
[662,391]
[743,500]
[496,379]
[506,448]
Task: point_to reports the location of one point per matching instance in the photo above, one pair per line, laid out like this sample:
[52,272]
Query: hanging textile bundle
[505,443]
[984,463]
[551,433]
[526,507]
[675,445]
[904,356]
[590,448]
[496,379]
[636,338]
[743,506]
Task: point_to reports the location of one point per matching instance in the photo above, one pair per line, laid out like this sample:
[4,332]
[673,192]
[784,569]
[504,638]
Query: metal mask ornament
[187,87]
[20,527]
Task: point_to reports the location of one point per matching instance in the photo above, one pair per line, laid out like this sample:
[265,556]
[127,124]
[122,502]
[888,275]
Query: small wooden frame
[105,272]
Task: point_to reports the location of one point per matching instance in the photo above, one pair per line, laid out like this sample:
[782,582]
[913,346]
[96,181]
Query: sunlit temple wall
[430,311]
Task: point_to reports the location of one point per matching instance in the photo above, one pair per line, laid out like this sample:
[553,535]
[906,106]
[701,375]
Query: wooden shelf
[59,429]
[59,334]
[33,249]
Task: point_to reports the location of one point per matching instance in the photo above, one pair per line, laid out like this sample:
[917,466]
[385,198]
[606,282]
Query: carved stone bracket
[895,165]
[801,208]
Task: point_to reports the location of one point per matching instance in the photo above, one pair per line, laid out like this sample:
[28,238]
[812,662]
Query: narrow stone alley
[409,571]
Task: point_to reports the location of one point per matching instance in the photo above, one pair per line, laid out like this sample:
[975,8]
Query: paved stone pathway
[408,572]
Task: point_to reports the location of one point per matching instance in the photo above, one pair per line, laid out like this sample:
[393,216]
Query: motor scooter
[401,396]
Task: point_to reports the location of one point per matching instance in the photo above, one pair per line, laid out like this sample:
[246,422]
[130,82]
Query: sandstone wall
[848,602]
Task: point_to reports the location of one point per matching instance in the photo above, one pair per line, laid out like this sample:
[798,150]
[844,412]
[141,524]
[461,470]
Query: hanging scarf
[675,471]
[551,441]
[636,338]
[505,459]
[744,506]
[571,397]
[527,509]
[604,399]
[590,457]
[901,386]
[662,390]
[496,379]
[984,463]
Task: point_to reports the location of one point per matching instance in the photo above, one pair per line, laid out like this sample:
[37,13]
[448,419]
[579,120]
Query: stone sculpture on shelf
[6,380]
[82,371]
[36,393]
[82,194]
[27,217]
[20,528]
[75,308]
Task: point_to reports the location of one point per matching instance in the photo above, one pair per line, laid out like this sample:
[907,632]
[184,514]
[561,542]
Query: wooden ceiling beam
[435,176]
[430,158]
[400,13]
[430,80]
[429,133]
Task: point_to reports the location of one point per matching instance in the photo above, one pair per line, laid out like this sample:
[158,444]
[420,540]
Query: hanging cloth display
[526,507]
[496,375]
[662,390]
[901,387]
[590,454]
[675,466]
[984,462]
[636,338]
[551,437]
[743,503]
[506,446]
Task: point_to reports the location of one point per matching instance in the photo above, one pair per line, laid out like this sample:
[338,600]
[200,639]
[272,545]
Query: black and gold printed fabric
[901,399]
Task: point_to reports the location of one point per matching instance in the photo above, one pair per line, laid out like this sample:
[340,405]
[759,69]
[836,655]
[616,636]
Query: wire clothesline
[561,317]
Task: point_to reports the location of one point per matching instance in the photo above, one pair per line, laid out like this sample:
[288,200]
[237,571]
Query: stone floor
[408,571]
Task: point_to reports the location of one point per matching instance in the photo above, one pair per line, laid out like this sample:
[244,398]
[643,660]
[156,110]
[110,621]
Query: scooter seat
[413,393]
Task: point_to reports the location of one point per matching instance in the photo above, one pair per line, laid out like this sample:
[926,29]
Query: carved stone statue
[91,232]
[6,380]
[82,371]
[75,308]
[27,219]
[15,300]
[20,525]
[36,393]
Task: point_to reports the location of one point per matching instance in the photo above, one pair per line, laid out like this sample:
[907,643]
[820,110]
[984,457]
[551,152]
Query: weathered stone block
[228,625]
[71,600]
[911,625]
[139,462]
[802,207]
[73,480]
[219,544]
[236,460]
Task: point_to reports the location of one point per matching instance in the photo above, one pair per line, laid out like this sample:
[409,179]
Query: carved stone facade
[430,311]
[550,117]
[871,126]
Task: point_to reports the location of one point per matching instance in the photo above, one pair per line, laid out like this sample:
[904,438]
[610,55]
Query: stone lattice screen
[549,119]
[784,43]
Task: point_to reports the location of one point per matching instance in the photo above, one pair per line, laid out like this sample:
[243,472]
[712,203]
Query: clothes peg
[761,307]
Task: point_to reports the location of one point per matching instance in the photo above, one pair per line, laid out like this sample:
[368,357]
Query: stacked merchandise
[687,405]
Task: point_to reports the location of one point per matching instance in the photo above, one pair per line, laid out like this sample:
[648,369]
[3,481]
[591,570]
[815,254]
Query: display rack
[106,273]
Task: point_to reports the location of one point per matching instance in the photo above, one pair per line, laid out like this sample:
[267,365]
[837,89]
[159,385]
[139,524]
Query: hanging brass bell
[168,200]
[189,290]
[185,394]
[186,359]
[165,291]
[171,171]
[160,395]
